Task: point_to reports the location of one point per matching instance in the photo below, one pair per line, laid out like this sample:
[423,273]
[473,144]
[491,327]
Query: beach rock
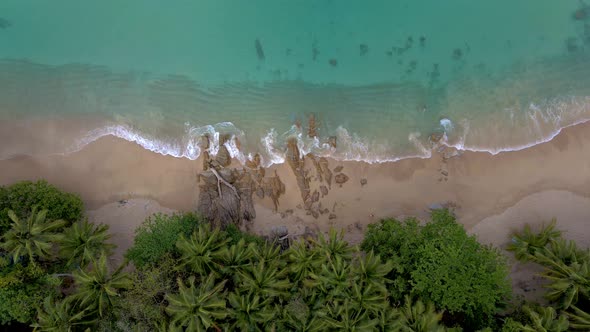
[341,178]
[332,216]
[324,190]
[206,160]
[254,163]
[325,210]
[326,172]
[332,141]
[363,182]
[223,157]
[312,130]
[435,206]
[338,169]
[315,196]
[315,214]
[445,173]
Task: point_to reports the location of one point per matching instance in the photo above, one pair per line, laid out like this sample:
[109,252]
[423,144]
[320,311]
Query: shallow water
[381,76]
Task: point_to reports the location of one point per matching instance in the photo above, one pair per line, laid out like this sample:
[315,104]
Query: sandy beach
[492,195]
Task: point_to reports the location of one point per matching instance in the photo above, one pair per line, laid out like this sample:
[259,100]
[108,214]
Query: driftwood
[222,180]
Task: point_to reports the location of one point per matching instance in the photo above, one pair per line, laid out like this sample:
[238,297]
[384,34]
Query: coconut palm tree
[231,260]
[297,316]
[97,289]
[333,246]
[250,312]
[84,242]
[579,319]
[197,307]
[265,278]
[200,249]
[348,317]
[32,238]
[388,319]
[302,261]
[372,271]
[59,317]
[567,283]
[333,279]
[527,243]
[544,319]
[418,317]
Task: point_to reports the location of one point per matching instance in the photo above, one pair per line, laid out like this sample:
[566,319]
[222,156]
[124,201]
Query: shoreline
[477,184]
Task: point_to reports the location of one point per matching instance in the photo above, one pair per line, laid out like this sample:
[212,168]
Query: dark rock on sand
[338,169]
[315,196]
[341,178]
[332,216]
[324,190]
[332,141]
[223,157]
[363,182]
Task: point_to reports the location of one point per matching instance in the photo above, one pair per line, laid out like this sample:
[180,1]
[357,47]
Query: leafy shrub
[22,196]
[439,262]
[157,236]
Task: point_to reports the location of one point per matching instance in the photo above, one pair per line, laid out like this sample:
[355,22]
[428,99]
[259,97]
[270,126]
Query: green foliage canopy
[439,262]
[21,197]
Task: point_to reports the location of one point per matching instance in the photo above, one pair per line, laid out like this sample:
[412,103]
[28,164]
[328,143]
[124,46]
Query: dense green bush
[439,262]
[22,196]
[157,236]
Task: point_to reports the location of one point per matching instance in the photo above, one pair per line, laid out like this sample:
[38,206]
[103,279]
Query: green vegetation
[440,263]
[21,197]
[186,276]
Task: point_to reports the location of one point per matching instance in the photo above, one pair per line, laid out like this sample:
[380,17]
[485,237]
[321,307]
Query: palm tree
[302,261]
[232,260]
[368,297]
[567,283]
[348,317]
[200,250]
[97,289]
[297,316]
[333,246]
[197,307]
[249,312]
[59,317]
[388,319]
[33,237]
[333,280]
[418,317]
[84,242]
[579,320]
[372,271]
[264,278]
[545,319]
[526,244]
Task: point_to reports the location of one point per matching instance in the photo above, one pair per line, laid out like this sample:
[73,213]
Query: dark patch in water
[333,62]
[412,66]
[259,50]
[389,53]
[581,14]
[363,49]
[409,42]
[4,23]
[422,41]
[314,51]
[571,44]
[288,52]
[587,33]
[457,54]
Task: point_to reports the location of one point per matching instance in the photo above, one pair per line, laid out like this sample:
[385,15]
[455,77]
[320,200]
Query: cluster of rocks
[225,194]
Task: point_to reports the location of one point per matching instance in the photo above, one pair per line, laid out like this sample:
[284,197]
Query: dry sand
[492,194]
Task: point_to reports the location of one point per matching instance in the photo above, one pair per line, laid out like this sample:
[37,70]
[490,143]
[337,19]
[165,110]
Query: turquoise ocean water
[381,76]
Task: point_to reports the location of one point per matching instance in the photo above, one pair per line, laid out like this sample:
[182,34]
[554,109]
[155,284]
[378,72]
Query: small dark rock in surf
[259,50]
[581,14]
[4,23]
[333,62]
[422,41]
